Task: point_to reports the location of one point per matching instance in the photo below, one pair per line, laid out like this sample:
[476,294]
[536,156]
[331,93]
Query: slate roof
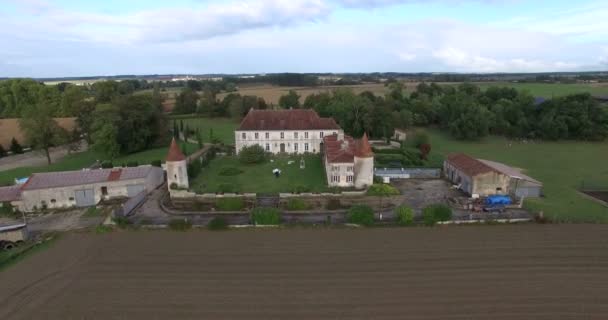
[295,119]
[11,193]
[175,154]
[74,178]
[345,151]
[510,171]
[469,165]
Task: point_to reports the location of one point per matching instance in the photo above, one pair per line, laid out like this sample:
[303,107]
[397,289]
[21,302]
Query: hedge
[180,225]
[217,223]
[295,204]
[436,213]
[361,214]
[381,189]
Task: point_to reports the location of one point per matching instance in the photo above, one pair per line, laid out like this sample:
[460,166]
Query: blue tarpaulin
[498,200]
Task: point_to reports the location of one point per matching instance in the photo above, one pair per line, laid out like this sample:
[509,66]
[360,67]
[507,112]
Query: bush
[100,229]
[15,147]
[132,164]
[266,216]
[420,138]
[230,171]
[107,165]
[361,214]
[156,163]
[405,216]
[382,190]
[230,204]
[252,154]
[436,213]
[194,168]
[173,186]
[300,189]
[295,204]
[217,223]
[180,225]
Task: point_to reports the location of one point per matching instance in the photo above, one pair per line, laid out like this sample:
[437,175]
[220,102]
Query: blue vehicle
[498,200]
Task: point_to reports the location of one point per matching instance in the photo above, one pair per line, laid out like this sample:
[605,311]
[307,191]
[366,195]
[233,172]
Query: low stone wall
[409,173]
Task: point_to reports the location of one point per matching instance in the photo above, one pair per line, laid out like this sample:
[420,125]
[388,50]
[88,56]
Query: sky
[69,38]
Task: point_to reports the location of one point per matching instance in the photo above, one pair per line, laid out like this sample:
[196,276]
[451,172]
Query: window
[71,199]
[335,178]
[321,135]
[306,147]
[267,135]
[349,178]
[295,135]
[257,135]
[295,147]
[282,135]
[244,136]
[349,169]
[268,147]
[104,191]
[335,168]
[305,135]
[53,200]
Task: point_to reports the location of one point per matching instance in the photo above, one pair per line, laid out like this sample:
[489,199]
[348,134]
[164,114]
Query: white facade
[284,141]
[340,174]
[177,173]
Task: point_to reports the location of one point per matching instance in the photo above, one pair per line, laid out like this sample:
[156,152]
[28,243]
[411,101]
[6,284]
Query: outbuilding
[478,177]
[86,188]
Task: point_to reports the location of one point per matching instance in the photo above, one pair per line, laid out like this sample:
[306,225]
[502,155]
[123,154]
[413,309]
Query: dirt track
[497,272]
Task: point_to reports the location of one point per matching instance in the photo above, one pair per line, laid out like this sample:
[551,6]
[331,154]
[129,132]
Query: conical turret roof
[364,149]
[175,154]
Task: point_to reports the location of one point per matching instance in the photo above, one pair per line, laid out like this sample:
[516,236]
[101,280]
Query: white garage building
[86,188]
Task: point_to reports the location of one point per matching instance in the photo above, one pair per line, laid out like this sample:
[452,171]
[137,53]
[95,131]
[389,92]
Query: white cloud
[406,56]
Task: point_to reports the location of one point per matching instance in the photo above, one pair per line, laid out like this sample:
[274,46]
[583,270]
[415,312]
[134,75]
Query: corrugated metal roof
[510,171]
[74,178]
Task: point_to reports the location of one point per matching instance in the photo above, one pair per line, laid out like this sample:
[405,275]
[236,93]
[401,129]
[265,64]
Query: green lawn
[549,90]
[258,178]
[561,166]
[81,160]
[223,128]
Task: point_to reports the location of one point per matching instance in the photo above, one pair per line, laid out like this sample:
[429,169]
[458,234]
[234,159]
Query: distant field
[223,128]
[541,272]
[259,178]
[561,166]
[81,160]
[10,128]
[272,93]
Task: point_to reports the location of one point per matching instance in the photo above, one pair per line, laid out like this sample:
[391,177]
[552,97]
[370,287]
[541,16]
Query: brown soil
[494,272]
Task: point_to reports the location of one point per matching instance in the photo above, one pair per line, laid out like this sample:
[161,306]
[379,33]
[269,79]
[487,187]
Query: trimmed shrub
[436,213]
[230,171]
[180,225]
[107,165]
[132,164]
[295,204]
[361,214]
[230,204]
[378,179]
[382,190]
[266,216]
[217,223]
[252,154]
[156,163]
[405,216]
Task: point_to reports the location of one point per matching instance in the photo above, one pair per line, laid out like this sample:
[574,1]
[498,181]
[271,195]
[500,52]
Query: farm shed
[478,177]
[87,188]
[523,185]
[10,195]
[399,134]
[12,231]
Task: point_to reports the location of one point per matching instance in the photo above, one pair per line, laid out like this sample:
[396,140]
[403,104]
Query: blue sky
[45,38]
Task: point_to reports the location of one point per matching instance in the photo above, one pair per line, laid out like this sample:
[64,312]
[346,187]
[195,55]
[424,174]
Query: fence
[408,173]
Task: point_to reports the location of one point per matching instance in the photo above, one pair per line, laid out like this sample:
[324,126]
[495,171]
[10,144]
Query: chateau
[348,162]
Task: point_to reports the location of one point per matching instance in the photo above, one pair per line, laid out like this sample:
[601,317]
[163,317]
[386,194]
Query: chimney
[340,135]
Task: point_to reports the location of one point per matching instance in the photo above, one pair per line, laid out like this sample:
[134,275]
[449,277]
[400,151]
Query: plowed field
[494,272]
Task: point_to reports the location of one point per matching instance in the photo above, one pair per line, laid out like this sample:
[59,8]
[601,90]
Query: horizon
[69,39]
